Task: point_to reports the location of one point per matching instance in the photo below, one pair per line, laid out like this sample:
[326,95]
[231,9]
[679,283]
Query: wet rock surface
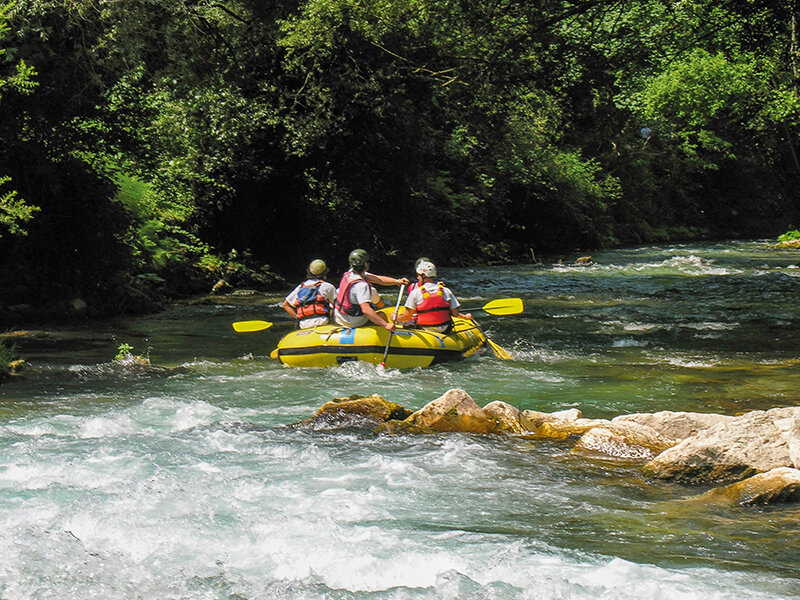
[757,453]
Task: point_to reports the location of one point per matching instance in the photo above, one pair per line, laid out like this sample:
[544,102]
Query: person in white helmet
[433,303]
[311,302]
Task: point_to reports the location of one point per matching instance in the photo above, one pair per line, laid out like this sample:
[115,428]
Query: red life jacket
[343,303]
[434,309]
[310,303]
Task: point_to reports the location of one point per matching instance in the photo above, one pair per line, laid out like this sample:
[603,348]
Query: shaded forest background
[149,148]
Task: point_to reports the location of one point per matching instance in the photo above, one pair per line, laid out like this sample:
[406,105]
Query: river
[182,481]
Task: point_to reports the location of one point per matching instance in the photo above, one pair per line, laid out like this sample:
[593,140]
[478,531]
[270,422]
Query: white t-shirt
[326,290]
[361,291]
[415,298]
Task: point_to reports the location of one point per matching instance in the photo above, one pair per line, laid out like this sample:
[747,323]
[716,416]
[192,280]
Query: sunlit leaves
[14,213]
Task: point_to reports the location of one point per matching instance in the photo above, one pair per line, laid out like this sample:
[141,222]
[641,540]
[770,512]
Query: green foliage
[699,98]
[8,356]
[21,76]
[123,351]
[14,211]
[126,357]
[789,236]
[164,135]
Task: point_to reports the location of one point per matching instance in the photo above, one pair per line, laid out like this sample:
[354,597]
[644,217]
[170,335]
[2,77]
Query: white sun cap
[317,267]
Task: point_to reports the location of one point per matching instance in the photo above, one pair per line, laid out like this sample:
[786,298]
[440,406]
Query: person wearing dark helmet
[433,303]
[356,299]
[311,302]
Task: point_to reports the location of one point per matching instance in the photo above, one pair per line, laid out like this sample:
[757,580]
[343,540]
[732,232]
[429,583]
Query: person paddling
[434,304]
[311,301]
[356,299]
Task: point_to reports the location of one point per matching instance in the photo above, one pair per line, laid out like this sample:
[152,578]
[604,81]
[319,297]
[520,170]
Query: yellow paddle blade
[498,351]
[248,326]
[504,306]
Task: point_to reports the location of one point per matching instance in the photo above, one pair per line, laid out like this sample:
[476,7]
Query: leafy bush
[8,354]
[789,235]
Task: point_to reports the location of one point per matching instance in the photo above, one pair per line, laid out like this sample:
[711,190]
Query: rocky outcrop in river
[757,453]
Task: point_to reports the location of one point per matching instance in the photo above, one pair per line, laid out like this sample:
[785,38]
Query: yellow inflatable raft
[331,345]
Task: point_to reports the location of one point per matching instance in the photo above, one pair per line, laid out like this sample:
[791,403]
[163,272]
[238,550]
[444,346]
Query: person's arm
[375,298]
[384,279]
[403,315]
[407,312]
[375,317]
[330,297]
[454,312]
[289,309]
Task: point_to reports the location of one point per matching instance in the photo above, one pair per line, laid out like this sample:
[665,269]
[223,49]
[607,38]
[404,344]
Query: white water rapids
[186,481]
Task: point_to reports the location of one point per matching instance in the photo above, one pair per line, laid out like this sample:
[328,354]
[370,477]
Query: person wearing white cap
[434,304]
[311,301]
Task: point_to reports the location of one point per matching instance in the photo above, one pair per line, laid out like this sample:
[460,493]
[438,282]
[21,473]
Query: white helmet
[426,268]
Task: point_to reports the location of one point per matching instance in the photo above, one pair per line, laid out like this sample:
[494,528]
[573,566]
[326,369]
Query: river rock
[674,425]
[355,411]
[776,486]
[533,420]
[453,411]
[558,425]
[733,449]
[506,417]
[624,439]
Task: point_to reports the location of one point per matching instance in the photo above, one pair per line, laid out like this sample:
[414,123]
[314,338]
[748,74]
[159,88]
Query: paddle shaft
[391,333]
[501,307]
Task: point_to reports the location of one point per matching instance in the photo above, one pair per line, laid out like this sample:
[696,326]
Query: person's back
[355,298]
[432,304]
[311,301]
[352,292]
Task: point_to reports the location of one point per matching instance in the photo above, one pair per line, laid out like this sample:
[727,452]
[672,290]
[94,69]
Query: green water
[181,481]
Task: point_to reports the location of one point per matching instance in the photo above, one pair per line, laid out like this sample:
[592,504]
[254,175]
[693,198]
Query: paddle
[248,326]
[391,333]
[503,306]
[498,351]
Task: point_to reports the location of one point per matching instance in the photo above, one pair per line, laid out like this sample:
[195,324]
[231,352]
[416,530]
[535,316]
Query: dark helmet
[358,258]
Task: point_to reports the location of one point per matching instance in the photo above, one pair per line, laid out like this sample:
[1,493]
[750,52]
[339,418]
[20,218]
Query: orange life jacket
[434,309]
[310,303]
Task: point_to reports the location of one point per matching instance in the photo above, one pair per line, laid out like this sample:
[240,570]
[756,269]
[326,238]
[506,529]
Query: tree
[13,210]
